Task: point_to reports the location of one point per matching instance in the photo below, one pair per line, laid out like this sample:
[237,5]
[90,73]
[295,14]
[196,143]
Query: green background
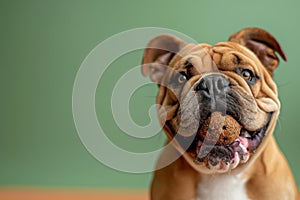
[42,46]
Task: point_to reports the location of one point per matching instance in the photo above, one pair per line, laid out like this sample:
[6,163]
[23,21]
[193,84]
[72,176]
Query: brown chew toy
[221,129]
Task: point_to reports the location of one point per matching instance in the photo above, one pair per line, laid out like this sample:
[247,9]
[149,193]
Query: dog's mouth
[223,157]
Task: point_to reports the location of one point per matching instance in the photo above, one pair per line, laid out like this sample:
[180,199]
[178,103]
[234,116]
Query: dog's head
[230,80]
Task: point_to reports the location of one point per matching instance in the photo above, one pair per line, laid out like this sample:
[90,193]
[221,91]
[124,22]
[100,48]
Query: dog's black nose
[213,85]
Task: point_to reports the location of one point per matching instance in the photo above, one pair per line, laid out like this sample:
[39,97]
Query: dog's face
[230,79]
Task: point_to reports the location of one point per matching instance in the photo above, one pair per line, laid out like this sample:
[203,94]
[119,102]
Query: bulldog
[218,106]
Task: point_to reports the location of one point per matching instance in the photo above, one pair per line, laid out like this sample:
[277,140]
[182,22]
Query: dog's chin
[217,158]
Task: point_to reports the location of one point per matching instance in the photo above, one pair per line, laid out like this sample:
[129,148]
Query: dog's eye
[182,77]
[247,74]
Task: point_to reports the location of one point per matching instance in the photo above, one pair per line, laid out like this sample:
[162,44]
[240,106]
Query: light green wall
[43,44]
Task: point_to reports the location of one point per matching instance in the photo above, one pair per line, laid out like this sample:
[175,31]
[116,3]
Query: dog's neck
[221,187]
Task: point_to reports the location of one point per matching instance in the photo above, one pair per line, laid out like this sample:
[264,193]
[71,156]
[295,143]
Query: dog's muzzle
[213,93]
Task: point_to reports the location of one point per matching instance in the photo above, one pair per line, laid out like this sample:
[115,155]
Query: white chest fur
[221,187]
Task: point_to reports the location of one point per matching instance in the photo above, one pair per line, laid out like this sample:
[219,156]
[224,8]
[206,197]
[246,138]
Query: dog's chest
[221,187]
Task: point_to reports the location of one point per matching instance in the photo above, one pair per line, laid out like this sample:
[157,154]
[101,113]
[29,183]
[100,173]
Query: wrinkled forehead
[199,56]
[223,56]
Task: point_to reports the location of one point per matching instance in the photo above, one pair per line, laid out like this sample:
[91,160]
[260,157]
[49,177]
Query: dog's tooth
[245,134]
[242,133]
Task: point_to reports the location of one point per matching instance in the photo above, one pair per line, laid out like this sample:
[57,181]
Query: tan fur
[176,181]
[268,175]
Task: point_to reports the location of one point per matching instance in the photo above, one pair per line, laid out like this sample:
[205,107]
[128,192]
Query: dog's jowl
[218,106]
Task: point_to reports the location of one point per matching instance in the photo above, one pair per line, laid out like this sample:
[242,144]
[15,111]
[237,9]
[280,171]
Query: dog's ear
[263,44]
[159,52]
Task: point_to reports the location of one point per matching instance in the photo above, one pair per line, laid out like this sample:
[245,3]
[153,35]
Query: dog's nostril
[202,86]
[222,83]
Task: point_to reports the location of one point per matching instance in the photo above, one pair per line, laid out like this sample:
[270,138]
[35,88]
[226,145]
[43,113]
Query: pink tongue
[244,142]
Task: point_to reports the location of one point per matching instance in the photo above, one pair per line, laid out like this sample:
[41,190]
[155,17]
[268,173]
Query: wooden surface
[69,194]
